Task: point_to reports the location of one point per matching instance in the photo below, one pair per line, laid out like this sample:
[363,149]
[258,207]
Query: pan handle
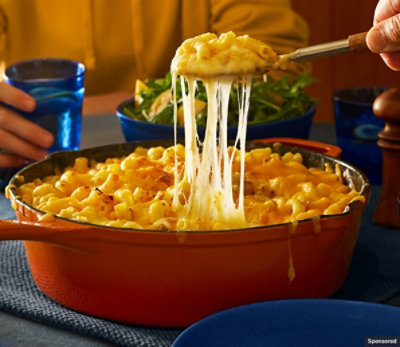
[62,235]
[320,147]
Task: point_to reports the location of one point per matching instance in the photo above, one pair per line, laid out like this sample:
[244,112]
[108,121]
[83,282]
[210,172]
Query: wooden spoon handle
[358,43]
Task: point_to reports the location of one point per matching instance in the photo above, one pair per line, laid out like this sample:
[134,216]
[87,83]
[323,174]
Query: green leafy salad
[270,101]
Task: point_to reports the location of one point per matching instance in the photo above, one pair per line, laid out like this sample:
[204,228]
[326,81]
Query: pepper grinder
[387,107]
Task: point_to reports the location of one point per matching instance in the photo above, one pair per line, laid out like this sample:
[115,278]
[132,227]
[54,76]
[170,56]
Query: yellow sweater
[121,40]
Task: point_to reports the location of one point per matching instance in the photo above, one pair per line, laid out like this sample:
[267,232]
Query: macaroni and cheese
[204,185]
[208,55]
[137,191]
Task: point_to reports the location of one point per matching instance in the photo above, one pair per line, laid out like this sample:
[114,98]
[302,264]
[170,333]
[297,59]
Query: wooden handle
[387,107]
[358,43]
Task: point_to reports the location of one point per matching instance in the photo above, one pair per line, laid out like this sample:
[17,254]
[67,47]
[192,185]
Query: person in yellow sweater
[120,41]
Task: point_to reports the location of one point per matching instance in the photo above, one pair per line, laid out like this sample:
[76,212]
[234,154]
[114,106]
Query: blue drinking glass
[357,129]
[57,85]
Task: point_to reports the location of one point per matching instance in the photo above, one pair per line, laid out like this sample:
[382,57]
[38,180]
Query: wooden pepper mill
[387,107]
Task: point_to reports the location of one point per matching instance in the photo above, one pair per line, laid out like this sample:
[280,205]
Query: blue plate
[303,322]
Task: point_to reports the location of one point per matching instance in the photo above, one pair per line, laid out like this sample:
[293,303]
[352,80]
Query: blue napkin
[374,276]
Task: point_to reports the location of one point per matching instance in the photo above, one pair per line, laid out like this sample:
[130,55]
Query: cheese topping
[137,191]
[208,55]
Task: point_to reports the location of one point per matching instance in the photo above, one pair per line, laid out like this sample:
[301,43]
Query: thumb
[385,36]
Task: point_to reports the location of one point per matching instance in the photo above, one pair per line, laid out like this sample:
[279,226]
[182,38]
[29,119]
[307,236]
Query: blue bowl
[133,130]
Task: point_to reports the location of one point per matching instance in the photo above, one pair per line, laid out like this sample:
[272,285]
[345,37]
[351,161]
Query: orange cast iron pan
[173,279]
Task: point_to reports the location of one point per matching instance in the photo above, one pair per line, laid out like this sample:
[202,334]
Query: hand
[384,37]
[20,138]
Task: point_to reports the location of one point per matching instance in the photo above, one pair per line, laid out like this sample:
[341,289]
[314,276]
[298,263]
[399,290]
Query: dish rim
[351,208]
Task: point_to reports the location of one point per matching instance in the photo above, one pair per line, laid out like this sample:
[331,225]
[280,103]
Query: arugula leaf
[270,101]
[166,116]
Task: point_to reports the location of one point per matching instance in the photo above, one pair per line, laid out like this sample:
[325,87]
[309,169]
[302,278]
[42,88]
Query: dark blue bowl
[133,130]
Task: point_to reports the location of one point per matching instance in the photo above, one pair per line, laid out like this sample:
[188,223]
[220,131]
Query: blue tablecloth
[374,276]
[374,273]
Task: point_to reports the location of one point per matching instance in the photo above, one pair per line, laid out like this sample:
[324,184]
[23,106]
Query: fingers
[385,36]
[22,138]
[392,60]
[14,123]
[17,98]
[11,160]
[20,147]
[386,9]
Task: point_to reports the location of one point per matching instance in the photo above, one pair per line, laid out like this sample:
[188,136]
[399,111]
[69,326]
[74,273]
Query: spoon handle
[354,43]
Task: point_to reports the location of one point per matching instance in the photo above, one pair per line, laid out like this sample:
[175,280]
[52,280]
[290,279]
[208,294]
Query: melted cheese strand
[191,149]
[218,61]
[209,174]
[173,85]
[244,102]
[224,159]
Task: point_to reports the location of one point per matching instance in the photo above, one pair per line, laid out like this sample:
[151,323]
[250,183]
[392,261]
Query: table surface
[100,130]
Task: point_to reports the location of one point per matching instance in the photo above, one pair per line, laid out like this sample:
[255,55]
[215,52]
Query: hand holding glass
[57,85]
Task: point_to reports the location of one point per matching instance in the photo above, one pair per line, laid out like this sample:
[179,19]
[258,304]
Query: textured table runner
[374,276]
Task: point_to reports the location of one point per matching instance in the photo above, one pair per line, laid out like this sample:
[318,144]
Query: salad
[270,101]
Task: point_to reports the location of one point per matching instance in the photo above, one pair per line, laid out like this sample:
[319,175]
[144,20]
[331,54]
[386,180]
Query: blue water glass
[57,85]
[357,129]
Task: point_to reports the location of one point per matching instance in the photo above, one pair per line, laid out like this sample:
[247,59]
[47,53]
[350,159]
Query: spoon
[354,43]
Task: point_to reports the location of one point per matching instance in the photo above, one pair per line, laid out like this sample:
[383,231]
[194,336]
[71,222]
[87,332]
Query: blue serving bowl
[134,130]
